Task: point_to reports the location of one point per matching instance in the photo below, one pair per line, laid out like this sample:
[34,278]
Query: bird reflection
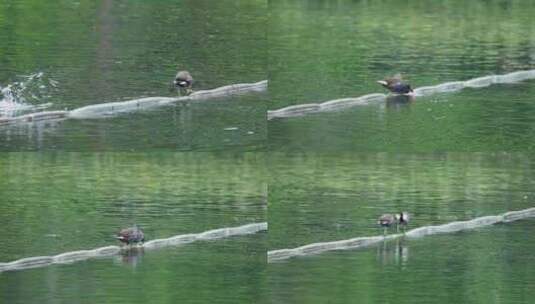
[399,101]
[393,252]
[131,256]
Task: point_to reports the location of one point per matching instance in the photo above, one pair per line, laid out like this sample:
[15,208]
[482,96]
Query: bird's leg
[172,87]
[384,231]
[188,91]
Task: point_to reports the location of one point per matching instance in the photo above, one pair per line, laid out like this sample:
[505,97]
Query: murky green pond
[325,197]
[55,203]
[69,54]
[321,51]
[482,266]
[194,169]
[223,271]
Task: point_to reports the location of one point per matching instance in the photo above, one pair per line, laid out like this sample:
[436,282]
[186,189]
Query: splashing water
[27,94]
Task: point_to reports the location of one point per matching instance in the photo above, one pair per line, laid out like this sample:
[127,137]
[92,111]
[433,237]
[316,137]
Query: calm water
[321,51]
[322,197]
[95,52]
[54,203]
[481,266]
[222,125]
[325,180]
[223,271]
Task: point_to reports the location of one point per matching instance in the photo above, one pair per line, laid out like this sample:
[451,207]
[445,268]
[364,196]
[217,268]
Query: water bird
[184,82]
[396,85]
[131,235]
[387,220]
[403,219]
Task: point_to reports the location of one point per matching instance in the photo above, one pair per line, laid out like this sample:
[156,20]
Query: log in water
[343,103]
[142,104]
[362,242]
[82,255]
[39,116]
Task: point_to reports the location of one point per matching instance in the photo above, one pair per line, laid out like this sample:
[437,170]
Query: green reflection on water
[224,271]
[483,266]
[114,50]
[327,197]
[321,51]
[52,203]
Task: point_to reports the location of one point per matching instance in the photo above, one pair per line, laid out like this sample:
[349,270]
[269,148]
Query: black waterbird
[396,85]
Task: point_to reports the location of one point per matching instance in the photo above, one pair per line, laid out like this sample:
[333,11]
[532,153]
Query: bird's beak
[382,82]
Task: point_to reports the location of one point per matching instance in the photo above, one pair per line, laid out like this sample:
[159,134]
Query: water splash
[28,93]
[111,109]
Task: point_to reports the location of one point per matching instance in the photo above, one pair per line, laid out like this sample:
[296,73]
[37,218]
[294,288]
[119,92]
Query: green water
[321,197]
[325,50]
[224,271]
[191,167]
[54,203]
[110,51]
[490,265]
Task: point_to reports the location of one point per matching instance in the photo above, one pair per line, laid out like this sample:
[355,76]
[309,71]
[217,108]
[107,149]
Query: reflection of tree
[104,28]
[314,192]
[221,42]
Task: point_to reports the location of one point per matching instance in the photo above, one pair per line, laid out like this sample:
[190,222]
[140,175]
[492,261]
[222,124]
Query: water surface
[95,52]
[52,203]
[223,271]
[317,197]
[321,51]
[326,197]
[59,202]
[481,266]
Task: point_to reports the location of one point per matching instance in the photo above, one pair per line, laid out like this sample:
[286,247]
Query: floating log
[448,87]
[82,255]
[362,242]
[108,109]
